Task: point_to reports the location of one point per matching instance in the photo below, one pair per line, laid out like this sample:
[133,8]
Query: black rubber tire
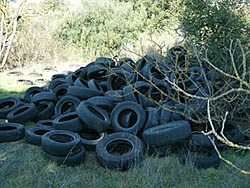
[97,71]
[44,96]
[177,55]
[83,93]
[92,84]
[34,135]
[30,92]
[129,94]
[60,90]
[142,94]
[93,116]
[81,72]
[156,92]
[170,133]
[130,146]
[182,79]
[61,143]
[45,110]
[7,105]
[211,160]
[79,82]
[11,132]
[35,74]
[14,73]
[45,123]
[199,141]
[118,78]
[69,121]
[197,74]
[22,113]
[25,81]
[154,72]
[103,102]
[90,138]
[233,132]
[65,104]
[56,82]
[105,61]
[152,117]
[70,160]
[71,78]
[165,113]
[60,76]
[116,95]
[134,126]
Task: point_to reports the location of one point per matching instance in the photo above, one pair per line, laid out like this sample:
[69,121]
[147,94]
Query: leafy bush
[214,24]
[100,28]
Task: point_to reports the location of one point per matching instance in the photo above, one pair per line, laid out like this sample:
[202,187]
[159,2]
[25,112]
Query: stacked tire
[115,109]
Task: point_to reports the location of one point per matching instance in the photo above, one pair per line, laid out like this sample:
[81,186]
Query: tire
[233,132]
[166,111]
[46,123]
[116,95]
[199,141]
[83,93]
[90,138]
[103,102]
[118,78]
[107,151]
[197,73]
[182,79]
[24,81]
[30,92]
[60,90]
[143,94]
[70,160]
[177,55]
[35,74]
[93,116]
[11,132]
[61,143]
[105,61]
[129,94]
[44,96]
[92,84]
[155,72]
[156,92]
[170,133]
[152,117]
[97,71]
[71,78]
[56,82]
[81,73]
[22,113]
[7,105]
[66,104]
[69,121]
[211,160]
[137,118]
[45,110]
[34,135]
[81,83]
[14,73]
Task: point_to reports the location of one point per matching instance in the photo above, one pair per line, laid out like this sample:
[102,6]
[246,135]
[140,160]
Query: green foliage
[214,24]
[100,28]
[158,15]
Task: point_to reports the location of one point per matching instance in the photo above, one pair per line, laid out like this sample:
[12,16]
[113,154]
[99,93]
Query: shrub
[214,24]
[99,28]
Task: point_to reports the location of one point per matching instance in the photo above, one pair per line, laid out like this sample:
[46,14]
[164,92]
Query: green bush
[100,29]
[214,24]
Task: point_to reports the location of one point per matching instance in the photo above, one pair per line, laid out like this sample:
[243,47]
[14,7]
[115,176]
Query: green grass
[24,165]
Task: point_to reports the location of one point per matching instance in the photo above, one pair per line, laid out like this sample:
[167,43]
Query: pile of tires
[117,109]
